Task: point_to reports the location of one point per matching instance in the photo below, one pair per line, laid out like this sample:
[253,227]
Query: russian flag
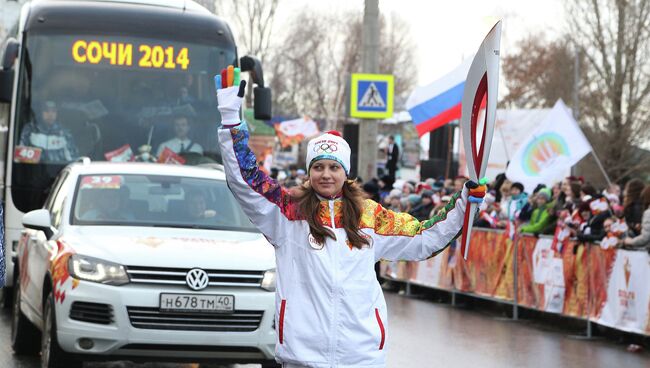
[438,103]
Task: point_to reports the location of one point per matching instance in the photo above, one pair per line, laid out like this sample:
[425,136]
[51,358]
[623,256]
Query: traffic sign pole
[367,163]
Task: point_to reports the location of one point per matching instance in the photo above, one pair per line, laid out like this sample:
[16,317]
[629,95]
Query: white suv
[143,262]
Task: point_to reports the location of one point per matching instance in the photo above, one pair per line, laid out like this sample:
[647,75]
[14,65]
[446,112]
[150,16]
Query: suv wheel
[51,354]
[24,335]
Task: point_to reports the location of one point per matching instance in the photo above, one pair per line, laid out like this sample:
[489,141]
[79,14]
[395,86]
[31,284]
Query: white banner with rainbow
[555,146]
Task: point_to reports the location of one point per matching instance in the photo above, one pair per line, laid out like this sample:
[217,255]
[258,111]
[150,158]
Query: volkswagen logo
[197,279]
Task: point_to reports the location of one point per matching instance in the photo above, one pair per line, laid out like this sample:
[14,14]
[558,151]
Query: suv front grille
[92,312]
[176,276]
[153,318]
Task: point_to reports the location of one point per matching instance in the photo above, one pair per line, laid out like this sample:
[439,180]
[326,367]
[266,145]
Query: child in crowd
[541,217]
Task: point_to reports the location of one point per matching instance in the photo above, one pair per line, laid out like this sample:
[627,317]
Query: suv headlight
[97,270]
[268,282]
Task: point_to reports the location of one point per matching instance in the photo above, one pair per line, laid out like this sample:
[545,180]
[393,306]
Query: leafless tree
[253,22]
[540,72]
[614,36]
[311,70]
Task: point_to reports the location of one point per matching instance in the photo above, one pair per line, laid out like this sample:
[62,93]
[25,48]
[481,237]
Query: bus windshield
[112,98]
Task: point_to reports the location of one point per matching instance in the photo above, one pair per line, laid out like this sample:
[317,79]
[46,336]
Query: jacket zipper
[335,291]
[281,321]
[381,328]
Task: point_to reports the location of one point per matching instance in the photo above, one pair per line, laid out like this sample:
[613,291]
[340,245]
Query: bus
[111,80]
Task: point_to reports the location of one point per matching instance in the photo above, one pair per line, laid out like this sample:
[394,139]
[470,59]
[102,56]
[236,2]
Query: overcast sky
[445,32]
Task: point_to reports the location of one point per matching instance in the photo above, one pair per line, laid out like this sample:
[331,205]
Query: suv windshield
[155,200]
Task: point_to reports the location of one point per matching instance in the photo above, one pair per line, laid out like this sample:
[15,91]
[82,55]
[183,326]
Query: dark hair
[538,188]
[178,117]
[632,192]
[575,189]
[309,206]
[645,197]
[518,185]
[588,189]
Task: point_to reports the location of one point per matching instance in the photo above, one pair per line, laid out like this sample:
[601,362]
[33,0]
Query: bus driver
[181,143]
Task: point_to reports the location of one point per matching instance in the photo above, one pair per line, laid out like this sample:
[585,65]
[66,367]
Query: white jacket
[330,309]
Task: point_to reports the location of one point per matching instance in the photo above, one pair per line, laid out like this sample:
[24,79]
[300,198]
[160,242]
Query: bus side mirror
[9,56]
[262,108]
[262,95]
[6,85]
[39,220]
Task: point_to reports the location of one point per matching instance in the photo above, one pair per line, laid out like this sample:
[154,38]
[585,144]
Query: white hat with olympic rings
[329,146]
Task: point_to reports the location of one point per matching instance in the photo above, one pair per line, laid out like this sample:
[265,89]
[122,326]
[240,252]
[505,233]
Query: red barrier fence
[608,286]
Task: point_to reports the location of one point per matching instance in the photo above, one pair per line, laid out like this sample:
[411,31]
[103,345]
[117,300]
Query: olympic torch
[479,102]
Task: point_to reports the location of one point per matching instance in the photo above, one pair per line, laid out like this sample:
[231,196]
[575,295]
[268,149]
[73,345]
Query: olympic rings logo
[326,147]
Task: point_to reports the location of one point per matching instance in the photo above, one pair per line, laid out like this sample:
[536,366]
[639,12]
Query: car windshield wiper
[178,226]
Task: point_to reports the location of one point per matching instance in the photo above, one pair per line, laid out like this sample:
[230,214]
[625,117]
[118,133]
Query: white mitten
[229,104]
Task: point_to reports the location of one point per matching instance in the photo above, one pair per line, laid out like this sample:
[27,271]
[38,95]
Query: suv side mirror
[9,56]
[262,95]
[39,220]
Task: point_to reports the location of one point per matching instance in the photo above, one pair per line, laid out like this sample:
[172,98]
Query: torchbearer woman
[330,309]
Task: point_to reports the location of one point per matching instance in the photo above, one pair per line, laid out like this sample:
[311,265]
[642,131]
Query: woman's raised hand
[230,93]
[476,191]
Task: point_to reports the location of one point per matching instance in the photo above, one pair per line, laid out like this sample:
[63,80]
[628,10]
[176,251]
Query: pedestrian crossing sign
[371,96]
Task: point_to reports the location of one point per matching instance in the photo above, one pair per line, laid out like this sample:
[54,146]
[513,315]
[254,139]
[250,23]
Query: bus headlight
[96,270]
[268,282]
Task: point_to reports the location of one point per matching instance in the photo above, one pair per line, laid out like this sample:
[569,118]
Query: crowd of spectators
[570,208]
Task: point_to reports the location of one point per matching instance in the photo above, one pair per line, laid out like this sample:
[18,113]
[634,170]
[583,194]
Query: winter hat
[395,193]
[414,199]
[399,184]
[426,193]
[329,146]
[409,185]
[518,186]
[422,187]
[371,188]
[545,192]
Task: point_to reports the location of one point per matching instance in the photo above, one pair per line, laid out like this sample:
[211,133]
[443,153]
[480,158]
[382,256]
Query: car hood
[170,247]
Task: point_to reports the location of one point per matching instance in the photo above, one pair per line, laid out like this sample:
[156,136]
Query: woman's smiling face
[327,177]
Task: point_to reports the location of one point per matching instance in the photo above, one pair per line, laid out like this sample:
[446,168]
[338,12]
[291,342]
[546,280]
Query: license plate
[197,303]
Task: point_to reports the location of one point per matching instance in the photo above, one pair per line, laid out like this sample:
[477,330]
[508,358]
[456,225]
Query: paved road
[426,334]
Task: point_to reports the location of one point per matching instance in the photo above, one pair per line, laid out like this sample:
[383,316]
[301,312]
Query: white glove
[229,104]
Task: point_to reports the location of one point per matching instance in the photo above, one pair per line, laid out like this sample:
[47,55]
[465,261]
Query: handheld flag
[480,89]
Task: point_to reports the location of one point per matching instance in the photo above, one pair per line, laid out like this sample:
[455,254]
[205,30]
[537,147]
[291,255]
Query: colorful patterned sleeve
[266,203]
[400,236]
